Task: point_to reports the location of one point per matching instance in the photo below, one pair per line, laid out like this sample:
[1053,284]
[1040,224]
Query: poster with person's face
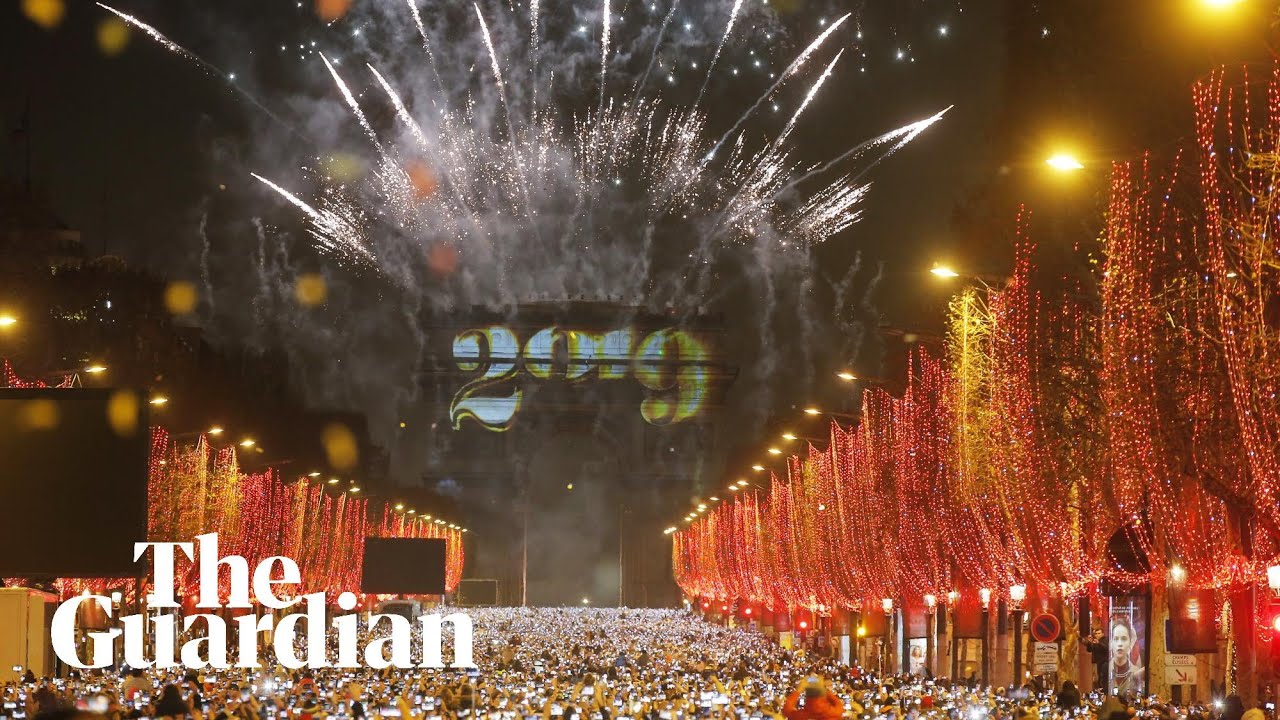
[915,663]
[1126,641]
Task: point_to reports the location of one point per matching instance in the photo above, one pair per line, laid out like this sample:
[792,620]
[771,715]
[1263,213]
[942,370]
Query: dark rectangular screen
[403,566]
[73,481]
[477,593]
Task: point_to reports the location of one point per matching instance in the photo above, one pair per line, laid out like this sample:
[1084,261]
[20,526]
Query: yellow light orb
[113,36]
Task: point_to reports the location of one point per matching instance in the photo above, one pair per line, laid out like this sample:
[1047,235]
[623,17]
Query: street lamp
[159,400]
[7,321]
[248,443]
[758,467]
[1064,162]
[215,430]
[943,271]
[774,451]
[1017,593]
[96,369]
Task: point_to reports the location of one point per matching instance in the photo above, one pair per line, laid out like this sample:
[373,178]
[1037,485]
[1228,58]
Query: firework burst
[544,201]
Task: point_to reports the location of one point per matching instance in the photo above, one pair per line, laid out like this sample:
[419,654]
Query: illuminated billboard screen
[673,367]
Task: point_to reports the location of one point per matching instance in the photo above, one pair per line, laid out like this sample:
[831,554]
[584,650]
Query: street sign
[1046,628]
[1180,669]
[1044,659]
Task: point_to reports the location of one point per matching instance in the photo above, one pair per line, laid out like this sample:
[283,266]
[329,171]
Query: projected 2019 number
[671,364]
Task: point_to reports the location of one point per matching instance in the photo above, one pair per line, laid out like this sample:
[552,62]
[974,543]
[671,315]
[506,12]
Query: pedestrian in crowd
[1100,654]
[812,701]
[1232,708]
[1068,696]
[136,683]
[173,706]
[1253,714]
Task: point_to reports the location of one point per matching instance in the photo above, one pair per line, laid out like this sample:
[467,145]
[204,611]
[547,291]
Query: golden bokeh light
[442,258]
[47,14]
[38,415]
[180,297]
[424,181]
[124,413]
[340,446]
[113,36]
[332,10]
[311,290]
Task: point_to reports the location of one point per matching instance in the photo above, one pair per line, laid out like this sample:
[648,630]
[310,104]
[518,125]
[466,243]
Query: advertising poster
[1126,640]
[916,661]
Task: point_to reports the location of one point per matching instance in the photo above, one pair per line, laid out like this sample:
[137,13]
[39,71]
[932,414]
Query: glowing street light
[846,376]
[333,481]
[313,474]
[7,321]
[758,467]
[248,443]
[96,369]
[159,400]
[355,489]
[1064,162]
[943,271]
[788,436]
[215,430]
[774,451]
[812,411]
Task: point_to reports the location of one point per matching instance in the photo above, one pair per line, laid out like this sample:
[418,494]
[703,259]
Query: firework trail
[355,107]
[791,70]
[604,55]
[207,66]
[728,29]
[657,45]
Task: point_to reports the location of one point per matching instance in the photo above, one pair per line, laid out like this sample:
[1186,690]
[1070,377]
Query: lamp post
[931,631]
[985,596]
[888,654]
[1017,593]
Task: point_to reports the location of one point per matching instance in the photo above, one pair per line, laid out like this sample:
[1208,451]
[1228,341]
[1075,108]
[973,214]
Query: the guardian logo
[212,650]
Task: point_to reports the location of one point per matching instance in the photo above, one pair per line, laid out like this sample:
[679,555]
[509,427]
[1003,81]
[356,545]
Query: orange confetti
[331,10]
[424,181]
[442,258]
[310,290]
[180,297]
[113,36]
[45,13]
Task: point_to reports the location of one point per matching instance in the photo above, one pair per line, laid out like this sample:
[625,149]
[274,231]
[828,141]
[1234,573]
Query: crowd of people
[580,664]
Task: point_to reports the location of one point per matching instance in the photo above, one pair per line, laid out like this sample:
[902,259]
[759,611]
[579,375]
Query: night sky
[139,148]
